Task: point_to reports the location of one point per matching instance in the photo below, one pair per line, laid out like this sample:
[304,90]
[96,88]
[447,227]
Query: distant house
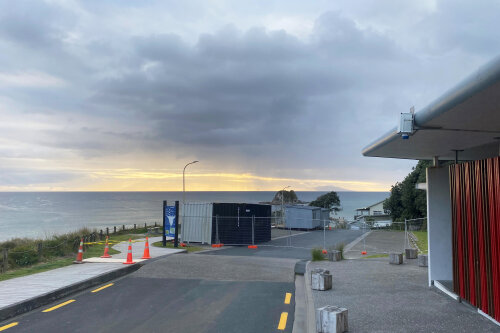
[374,213]
[306,217]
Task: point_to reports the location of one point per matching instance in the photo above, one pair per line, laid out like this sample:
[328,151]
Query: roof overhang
[466,118]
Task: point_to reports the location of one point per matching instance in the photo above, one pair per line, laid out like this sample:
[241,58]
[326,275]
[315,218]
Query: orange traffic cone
[129,254]
[106,250]
[146,250]
[79,256]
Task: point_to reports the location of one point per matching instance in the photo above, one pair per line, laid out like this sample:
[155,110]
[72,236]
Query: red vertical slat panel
[495,234]
[460,254]
[470,236]
[481,239]
[492,245]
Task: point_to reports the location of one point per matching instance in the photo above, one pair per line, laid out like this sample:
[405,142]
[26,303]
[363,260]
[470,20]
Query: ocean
[42,214]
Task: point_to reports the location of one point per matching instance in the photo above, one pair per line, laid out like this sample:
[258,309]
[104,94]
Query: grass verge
[375,256]
[94,250]
[189,248]
[421,240]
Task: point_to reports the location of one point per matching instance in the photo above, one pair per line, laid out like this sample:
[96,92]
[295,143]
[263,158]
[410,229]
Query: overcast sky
[120,95]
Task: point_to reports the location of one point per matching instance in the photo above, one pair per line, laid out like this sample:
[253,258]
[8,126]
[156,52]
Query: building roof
[465,118]
[368,207]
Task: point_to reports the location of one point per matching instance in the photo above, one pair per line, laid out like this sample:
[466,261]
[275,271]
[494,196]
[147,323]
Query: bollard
[321,281]
[411,253]
[334,255]
[423,260]
[101,235]
[107,231]
[124,227]
[155,224]
[395,258]
[145,226]
[318,270]
[115,229]
[331,319]
[39,249]
[135,227]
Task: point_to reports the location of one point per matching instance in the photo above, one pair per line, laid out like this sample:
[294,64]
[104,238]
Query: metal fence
[273,231]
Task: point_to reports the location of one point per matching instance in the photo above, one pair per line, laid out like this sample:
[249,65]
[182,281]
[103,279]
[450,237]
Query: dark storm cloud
[249,88]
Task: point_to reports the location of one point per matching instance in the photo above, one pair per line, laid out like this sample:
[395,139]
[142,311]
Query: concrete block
[423,260]
[411,253]
[395,258]
[319,270]
[321,281]
[334,255]
[331,319]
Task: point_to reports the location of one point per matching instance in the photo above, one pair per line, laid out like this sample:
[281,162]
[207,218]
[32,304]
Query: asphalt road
[180,293]
[298,246]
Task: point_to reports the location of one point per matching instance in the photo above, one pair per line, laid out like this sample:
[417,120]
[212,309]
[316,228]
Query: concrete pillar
[422,260]
[331,319]
[395,258]
[321,281]
[334,255]
[440,258]
[411,253]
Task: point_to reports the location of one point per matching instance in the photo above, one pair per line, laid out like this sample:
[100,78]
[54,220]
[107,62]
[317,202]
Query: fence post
[253,229]
[107,231]
[115,229]
[101,235]
[145,226]
[39,249]
[135,226]
[217,240]
[155,224]
[5,263]
[324,235]
[124,227]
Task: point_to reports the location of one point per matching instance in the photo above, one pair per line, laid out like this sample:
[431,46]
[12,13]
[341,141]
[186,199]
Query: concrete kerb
[44,299]
[304,303]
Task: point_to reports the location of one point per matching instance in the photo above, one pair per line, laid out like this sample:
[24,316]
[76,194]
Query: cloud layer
[288,92]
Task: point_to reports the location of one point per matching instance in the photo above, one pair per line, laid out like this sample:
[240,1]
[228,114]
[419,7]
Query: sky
[120,95]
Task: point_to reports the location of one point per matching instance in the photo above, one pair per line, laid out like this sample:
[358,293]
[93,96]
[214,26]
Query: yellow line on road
[282,324]
[3,328]
[103,287]
[287,298]
[58,306]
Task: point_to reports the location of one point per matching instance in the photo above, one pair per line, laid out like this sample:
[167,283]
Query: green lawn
[189,248]
[421,240]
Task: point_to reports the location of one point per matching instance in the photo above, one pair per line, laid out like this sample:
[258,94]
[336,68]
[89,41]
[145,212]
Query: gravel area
[394,298]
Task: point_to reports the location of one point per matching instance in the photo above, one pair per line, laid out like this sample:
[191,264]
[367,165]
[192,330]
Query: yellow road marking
[58,306]
[103,287]
[287,298]
[3,328]
[282,324]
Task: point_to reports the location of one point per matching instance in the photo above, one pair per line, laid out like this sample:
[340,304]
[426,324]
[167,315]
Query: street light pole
[184,182]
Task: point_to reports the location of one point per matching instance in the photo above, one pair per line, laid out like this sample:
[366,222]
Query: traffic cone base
[363,252]
[252,246]
[146,250]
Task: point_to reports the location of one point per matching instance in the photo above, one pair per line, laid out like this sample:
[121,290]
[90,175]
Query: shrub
[23,255]
[317,255]
[340,247]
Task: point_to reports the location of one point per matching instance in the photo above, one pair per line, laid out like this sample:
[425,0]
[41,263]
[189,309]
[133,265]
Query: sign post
[176,237]
[164,236]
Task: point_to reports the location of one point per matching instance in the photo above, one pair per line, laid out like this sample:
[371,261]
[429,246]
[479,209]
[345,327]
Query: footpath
[23,294]
[389,298]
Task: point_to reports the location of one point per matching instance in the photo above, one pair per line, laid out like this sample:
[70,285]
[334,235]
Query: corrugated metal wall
[475,197]
[196,222]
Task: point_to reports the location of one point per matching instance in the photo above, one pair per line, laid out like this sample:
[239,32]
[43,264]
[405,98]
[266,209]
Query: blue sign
[170,221]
